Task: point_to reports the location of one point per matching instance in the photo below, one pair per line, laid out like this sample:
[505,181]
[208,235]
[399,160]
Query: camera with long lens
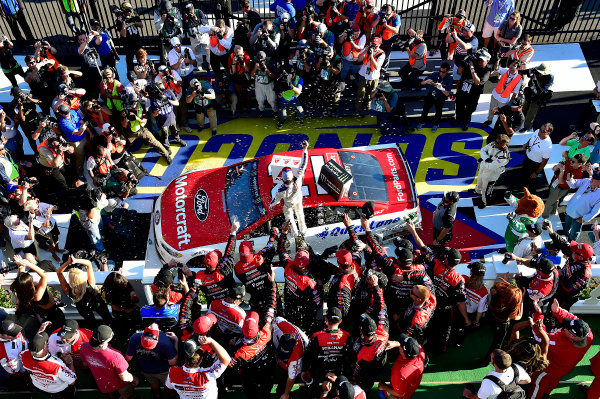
[506,259]
[317,37]
[382,19]
[239,58]
[406,44]
[219,35]
[451,28]
[8,267]
[43,118]
[379,94]
[187,54]
[369,50]
[349,33]
[28,179]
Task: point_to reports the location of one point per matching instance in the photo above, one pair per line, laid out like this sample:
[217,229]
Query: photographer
[239,69]
[353,42]
[220,44]
[384,100]
[368,18]
[322,38]
[167,21]
[507,88]
[263,73]
[133,121]
[285,27]
[308,21]
[22,109]
[466,44]
[537,93]
[99,165]
[289,87]
[89,215]
[144,69]
[104,45]
[225,92]
[523,52]
[265,38]
[69,97]
[46,229]
[96,114]
[182,60]
[162,102]
[439,86]
[110,91]
[452,23]
[416,48]
[129,25]
[40,82]
[372,58]
[302,59]
[202,95]
[470,86]
[44,51]
[10,66]
[510,119]
[51,156]
[66,75]
[328,87]
[575,168]
[494,158]
[192,19]
[74,130]
[341,15]
[90,65]
[387,28]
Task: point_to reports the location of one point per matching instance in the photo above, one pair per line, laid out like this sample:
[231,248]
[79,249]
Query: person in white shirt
[12,343]
[529,246]
[494,158]
[372,58]
[47,230]
[507,87]
[505,372]
[537,150]
[583,206]
[22,235]
[220,44]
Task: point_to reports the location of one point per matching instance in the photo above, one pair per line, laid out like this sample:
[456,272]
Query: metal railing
[549,21]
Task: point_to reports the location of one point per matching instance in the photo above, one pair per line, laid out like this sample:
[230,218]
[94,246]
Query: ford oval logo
[201,205]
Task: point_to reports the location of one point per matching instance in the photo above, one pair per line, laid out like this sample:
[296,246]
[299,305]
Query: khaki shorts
[156,379]
[488,31]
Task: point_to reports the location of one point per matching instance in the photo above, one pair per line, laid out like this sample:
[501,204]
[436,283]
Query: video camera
[407,43]
[32,181]
[43,118]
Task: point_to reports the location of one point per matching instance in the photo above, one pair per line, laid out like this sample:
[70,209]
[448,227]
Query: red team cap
[211,259]
[344,257]
[246,251]
[582,249]
[250,328]
[150,337]
[204,323]
[301,258]
[376,41]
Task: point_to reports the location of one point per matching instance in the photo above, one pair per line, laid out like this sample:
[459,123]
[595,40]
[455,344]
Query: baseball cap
[345,390]
[552,246]
[355,28]
[126,6]
[577,327]
[250,327]
[367,325]
[334,315]
[403,255]
[106,127]
[246,251]
[470,27]
[534,228]
[344,257]
[38,342]
[596,175]
[236,291]
[461,14]
[544,265]
[211,259]
[175,41]
[190,347]
[376,40]
[16,91]
[451,196]
[94,22]
[477,268]
[204,323]
[400,242]
[287,343]
[68,330]
[100,335]
[583,249]
[453,255]
[150,337]
[483,54]
[10,327]
[63,109]
[409,345]
[301,258]
[517,101]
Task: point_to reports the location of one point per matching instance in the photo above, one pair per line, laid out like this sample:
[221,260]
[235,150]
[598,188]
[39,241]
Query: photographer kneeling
[203,96]
[384,103]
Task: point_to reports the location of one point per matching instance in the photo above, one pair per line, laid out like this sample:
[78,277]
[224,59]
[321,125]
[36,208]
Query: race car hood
[192,211]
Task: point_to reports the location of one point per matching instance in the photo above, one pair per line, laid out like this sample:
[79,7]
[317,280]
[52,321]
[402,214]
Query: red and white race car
[193,215]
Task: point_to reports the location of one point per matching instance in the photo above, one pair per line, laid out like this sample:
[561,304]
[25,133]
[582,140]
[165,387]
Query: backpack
[512,390]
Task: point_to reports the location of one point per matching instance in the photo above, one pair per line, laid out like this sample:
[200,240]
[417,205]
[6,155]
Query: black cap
[165,276]
[68,329]
[453,255]
[287,342]
[94,22]
[517,101]
[334,315]
[403,255]
[38,342]
[101,334]
[237,291]
[452,196]
[10,327]
[477,268]
[409,345]
[552,246]
[534,228]
[577,327]
[400,242]
[367,325]
[345,390]
[190,347]
[15,91]
[544,265]
[368,209]
[63,109]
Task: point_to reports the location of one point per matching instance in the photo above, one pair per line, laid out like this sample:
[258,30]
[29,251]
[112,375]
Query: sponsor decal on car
[201,205]
[180,216]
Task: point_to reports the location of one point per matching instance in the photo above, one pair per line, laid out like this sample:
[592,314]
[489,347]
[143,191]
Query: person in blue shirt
[162,312]
[499,11]
[438,85]
[281,6]
[12,11]
[289,87]
[104,45]
[74,129]
[156,352]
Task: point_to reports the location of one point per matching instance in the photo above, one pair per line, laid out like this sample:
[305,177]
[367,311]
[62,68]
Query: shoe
[279,125]
[187,129]
[167,146]
[169,159]
[481,205]
[434,128]
[214,133]
[179,140]
[486,124]
[419,127]
[465,127]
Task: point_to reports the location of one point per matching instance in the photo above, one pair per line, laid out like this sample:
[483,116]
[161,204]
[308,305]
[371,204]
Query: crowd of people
[338,315]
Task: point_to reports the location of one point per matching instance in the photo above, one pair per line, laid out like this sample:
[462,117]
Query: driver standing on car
[290,191]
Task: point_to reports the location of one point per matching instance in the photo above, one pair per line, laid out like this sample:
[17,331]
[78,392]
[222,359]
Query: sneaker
[169,159]
[486,124]
[434,128]
[419,126]
[482,205]
[187,129]
[465,127]
[180,141]
[279,125]
[214,133]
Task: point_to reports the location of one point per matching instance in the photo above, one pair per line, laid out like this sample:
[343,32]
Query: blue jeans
[572,228]
[93,231]
[283,107]
[349,68]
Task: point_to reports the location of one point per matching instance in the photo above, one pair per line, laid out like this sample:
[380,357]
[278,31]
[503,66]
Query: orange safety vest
[412,61]
[214,42]
[103,165]
[347,49]
[386,34]
[363,22]
[517,55]
[44,144]
[171,85]
[329,20]
[368,59]
[505,89]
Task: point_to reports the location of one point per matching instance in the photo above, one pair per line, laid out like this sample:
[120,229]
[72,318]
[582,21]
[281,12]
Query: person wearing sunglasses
[537,153]
[578,144]
[538,91]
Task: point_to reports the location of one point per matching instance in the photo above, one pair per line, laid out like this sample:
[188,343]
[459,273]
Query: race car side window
[263,230]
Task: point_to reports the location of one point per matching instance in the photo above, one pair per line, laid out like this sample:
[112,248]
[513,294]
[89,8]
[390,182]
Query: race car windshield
[242,194]
[368,182]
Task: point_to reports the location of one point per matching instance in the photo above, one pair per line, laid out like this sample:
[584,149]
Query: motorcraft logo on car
[201,205]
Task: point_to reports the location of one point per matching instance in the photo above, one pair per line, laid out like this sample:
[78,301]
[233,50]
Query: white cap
[106,127]
[470,27]
[175,41]
[322,28]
